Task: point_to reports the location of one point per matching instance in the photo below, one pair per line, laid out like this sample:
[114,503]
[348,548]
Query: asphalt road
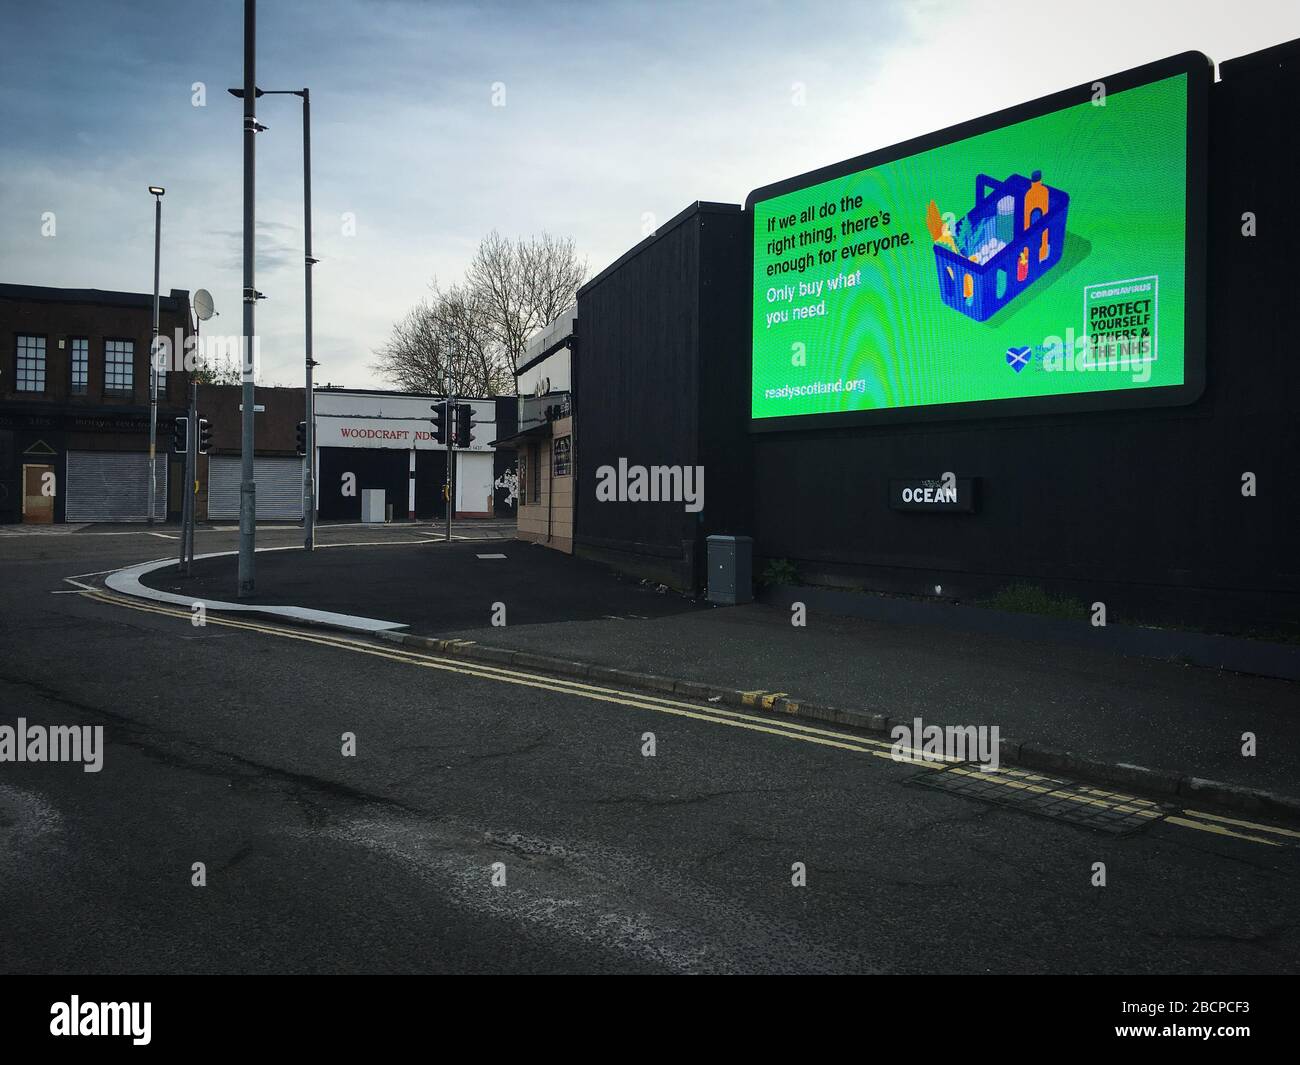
[1089,701]
[223,747]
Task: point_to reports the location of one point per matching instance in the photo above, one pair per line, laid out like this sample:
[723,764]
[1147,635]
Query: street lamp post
[157,191]
[309,475]
[247,481]
[309,516]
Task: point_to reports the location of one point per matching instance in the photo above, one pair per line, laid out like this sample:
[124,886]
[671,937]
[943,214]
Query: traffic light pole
[449,414]
[191,474]
[185,503]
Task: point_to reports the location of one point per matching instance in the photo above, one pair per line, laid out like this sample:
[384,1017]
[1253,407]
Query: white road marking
[127,582]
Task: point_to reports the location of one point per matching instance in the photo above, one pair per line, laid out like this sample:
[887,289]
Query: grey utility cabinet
[731,562]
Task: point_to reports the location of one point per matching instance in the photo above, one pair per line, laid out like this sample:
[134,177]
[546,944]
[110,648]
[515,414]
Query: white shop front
[384,440]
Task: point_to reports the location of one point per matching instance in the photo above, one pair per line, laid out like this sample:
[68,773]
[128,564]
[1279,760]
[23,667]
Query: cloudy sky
[614,113]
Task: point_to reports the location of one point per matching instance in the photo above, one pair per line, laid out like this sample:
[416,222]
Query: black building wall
[386,468]
[1142,510]
[660,379]
[504,460]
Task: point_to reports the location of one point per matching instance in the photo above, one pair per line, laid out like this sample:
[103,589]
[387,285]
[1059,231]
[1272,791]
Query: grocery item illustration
[989,260]
[938,227]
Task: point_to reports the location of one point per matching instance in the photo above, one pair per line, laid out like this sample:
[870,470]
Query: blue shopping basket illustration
[1011,237]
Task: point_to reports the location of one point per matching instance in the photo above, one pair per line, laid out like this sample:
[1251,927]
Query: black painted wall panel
[638,382]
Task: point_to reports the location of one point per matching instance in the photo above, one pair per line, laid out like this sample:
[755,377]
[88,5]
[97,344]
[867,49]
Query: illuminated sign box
[1047,258]
[956,494]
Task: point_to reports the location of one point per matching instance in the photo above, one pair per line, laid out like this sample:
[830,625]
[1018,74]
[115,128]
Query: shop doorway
[38,494]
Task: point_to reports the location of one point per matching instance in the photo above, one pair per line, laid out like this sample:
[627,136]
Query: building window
[535,488]
[30,368]
[562,456]
[119,365]
[80,365]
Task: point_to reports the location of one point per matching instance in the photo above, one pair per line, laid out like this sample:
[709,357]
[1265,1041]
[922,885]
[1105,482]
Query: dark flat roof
[698,207]
[1279,55]
[533,432]
[177,299]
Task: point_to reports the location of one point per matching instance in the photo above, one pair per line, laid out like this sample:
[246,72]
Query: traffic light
[464,424]
[302,438]
[205,436]
[439,420]
[181,435]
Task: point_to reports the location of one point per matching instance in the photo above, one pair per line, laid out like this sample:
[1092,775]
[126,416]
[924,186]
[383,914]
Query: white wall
[358,419]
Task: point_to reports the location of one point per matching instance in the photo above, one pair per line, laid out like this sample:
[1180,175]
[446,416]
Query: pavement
[441,588]
[1159,726]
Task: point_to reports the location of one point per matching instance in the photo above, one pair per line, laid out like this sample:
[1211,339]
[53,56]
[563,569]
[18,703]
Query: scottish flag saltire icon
[1017,358]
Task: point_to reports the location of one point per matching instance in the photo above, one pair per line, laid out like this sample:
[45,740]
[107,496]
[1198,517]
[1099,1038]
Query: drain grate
[1033,793]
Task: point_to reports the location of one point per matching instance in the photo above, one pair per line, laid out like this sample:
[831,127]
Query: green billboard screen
[1046,258]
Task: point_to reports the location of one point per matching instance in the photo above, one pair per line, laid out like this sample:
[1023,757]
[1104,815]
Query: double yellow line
[1013,778]
[790,730]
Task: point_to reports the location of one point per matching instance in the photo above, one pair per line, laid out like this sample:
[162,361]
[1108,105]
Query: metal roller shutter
[279,487]
[113,486]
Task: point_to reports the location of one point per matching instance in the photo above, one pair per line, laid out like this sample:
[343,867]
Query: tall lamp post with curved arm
[309,475]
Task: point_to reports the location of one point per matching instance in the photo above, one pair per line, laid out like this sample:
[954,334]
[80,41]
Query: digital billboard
[1046,258]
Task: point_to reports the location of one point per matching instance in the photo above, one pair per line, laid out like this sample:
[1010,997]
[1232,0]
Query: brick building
[74,404]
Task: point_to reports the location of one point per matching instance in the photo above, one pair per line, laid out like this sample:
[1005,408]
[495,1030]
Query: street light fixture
[157,191]
[309,480]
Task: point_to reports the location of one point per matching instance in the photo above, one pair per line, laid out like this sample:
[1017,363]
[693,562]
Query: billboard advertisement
[1046,258]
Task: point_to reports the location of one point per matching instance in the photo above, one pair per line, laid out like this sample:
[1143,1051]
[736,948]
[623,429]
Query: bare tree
[476,331]
[223,371]
[523,284]
[446,335]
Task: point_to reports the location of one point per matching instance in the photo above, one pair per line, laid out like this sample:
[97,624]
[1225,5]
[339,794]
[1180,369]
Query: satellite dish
[203,308]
